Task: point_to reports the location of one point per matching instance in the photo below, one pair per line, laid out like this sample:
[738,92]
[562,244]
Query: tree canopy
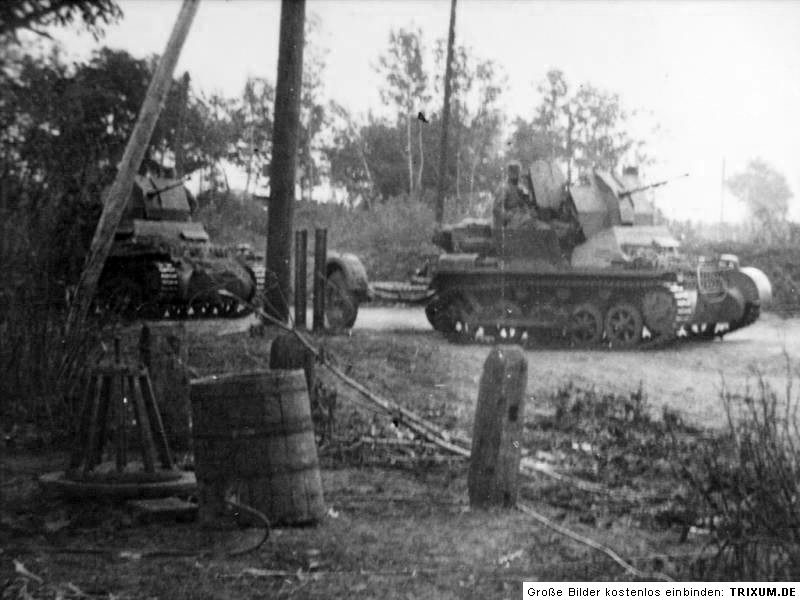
[764,191]
[35,15]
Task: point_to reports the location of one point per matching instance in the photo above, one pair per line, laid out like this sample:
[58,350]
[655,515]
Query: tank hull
[475,298]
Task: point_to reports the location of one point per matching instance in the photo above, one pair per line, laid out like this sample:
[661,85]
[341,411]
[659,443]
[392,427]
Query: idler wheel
[623,325]
[447,313]
[660,312]
[586,325]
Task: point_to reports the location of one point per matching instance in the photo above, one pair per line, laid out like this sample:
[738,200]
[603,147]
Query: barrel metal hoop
[288,427]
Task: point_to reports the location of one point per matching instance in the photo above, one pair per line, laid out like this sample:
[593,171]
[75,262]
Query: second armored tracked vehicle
[590,268]
[163,265]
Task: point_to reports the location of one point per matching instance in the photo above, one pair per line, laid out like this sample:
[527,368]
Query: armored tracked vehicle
[162,264]
[588,267]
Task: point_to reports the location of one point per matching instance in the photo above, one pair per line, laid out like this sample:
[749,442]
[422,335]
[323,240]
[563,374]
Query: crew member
[512,204]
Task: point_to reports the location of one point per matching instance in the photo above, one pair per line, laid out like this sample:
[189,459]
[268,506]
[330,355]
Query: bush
[392,239]
[744,484]
[38,370]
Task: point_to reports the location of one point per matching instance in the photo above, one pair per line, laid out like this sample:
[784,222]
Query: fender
[354,271]
[753,283]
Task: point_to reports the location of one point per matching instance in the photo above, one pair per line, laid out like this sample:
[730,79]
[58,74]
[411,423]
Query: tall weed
[744,484]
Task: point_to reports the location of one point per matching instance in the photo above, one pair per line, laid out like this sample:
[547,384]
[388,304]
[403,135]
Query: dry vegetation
[682,501]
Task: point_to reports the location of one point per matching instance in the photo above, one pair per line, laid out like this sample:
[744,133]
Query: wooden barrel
[254,440]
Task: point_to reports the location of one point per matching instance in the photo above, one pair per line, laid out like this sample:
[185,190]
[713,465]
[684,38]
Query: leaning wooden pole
[117,195]
[448,75]
[285,134]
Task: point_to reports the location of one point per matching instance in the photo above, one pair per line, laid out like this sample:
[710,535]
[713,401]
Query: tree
[406,88]
[312,109]
[766,194]
[347,156]
[252,121]
[587,129]
[477,119]
[33,15]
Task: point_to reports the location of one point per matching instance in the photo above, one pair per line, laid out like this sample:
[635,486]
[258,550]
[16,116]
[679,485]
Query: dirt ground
[403,528]
[687,377]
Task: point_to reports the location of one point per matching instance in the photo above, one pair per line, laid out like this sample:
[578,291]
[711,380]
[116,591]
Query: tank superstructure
[591,267]
[163,265]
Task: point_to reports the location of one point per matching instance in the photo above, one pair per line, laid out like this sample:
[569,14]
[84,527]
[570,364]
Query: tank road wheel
[623,325]
[341,306]
[660,313]
[586,325]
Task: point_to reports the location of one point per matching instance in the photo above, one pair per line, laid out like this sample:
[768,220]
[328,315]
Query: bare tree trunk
[410,157]
[421,160]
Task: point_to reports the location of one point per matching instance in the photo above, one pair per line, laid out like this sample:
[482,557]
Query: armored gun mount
[588,266]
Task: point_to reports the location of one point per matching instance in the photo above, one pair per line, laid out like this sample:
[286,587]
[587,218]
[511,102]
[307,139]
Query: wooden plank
[320,277]
[121,434]
[300,273]
[143,422]
[157,426]
[497,431]
[95,433]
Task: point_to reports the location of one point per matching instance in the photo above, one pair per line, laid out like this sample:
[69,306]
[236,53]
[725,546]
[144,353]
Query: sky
[721,79]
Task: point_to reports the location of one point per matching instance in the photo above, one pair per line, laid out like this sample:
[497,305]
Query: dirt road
[688,377]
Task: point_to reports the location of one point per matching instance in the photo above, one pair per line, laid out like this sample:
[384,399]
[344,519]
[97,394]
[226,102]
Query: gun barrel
[650,186]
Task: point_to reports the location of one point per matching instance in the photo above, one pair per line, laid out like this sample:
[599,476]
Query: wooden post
[497,431]
[117,196]
[288,352]
[170,384]
[448,73]
[320,258]
[283,167]
[300,274]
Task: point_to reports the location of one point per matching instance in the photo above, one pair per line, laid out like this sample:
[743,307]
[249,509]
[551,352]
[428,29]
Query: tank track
[260,273]
[170,306]
[505,328]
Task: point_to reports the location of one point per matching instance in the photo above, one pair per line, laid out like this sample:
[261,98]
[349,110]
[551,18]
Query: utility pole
[722,197]
[285,133]
[448,73]
[117,196]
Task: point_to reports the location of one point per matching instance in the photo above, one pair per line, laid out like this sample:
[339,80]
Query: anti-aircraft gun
[589,265]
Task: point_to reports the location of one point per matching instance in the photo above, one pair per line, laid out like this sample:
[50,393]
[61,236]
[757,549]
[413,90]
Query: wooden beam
[117,195]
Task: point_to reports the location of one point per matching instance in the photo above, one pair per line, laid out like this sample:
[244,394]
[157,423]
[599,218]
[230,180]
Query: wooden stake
[300,274]
[497,432]
[320,258]
[117,196]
